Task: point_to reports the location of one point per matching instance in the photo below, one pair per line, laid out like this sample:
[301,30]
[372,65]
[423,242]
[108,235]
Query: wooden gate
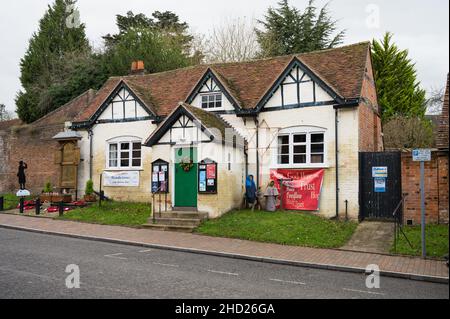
[380,184]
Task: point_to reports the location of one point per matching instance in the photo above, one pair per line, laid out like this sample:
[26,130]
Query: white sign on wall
[421,155]
[121,179]
[380,172]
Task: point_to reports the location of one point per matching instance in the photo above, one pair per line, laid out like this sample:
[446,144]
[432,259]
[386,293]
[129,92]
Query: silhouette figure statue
[21,174]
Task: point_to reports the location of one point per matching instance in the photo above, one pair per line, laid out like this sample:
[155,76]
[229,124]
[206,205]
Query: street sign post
[422,156]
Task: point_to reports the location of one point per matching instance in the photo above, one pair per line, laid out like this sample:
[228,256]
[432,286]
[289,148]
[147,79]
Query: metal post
[346,210]
[38,206]
[165,201]
[395,235]
[21,206]
[61,208]
[159,204]
[422,206]
[100,200]
[280,181]
[1,203]
[153,208]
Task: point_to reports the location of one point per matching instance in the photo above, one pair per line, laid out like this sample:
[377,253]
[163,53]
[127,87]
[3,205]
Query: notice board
[207,177]
[160,177]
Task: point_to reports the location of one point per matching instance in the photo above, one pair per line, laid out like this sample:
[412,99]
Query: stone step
[176,228]
[179,221]
[182,215]
[185,209]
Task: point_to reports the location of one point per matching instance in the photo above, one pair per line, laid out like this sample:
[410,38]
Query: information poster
[202,181]
[380,185]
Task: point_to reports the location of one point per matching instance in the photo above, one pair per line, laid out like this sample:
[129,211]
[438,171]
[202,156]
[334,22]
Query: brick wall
[370,139]
[436,188]
[442,131]
[34,145]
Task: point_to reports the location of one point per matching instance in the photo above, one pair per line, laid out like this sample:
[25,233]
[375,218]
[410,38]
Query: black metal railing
[20,206]
[160,197]
[398,223]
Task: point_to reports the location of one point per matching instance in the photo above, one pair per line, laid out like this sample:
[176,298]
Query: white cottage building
[195,133]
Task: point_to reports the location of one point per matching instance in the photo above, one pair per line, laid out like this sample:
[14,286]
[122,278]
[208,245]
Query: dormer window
[213,100]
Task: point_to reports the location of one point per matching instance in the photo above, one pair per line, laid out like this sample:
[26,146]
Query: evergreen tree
[286,30]
[165,22]
[161,41]
[399,92]
[158,52]
[46,54]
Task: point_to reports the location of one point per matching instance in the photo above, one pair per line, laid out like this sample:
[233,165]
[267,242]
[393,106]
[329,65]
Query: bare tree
[403,132]
[435,101]
[233,41]
[4,114]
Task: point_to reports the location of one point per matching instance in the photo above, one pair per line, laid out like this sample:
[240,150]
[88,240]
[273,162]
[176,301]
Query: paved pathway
[325,258]
[372,237]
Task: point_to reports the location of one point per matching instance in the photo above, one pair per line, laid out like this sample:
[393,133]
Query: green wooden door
[185,182]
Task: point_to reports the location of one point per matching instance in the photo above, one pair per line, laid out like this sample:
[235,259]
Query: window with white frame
[301,148]
[125,155]
[213,100]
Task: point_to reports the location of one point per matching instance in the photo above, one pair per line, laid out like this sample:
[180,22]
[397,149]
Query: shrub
[47,188]
[89,187]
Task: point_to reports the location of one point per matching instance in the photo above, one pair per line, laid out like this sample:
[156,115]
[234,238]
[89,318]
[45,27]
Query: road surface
[34,266]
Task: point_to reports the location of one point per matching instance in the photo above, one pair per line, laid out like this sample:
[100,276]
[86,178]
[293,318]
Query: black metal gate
[375,201]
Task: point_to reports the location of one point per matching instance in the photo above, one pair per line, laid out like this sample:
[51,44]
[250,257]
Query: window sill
[122,169]
[300,166]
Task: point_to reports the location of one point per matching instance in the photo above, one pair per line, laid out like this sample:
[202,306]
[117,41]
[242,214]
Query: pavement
[33,265]
[372,237]
[331,259]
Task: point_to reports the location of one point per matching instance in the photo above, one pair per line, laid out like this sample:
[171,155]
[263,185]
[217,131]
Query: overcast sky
[421,26]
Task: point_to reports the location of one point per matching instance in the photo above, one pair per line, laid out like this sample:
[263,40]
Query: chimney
[137,67]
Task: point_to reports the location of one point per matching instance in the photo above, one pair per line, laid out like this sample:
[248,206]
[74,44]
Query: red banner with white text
[301,188]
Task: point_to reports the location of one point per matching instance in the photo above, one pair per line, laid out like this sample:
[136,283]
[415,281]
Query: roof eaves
[312,73]
[162,124]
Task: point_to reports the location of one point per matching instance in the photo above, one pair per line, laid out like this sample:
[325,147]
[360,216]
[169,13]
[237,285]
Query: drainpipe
[257,151]
[91,137]
[246,158]
[336,132]
[352,103]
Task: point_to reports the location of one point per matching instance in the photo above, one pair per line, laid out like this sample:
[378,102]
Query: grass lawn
[11,201]
[281,227]
[111,213]
[436,241]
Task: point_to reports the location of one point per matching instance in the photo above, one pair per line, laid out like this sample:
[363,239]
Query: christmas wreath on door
[186,164]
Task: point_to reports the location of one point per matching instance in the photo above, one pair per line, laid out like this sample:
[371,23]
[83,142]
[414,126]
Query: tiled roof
[208,119]
[67,112]
[342,69]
